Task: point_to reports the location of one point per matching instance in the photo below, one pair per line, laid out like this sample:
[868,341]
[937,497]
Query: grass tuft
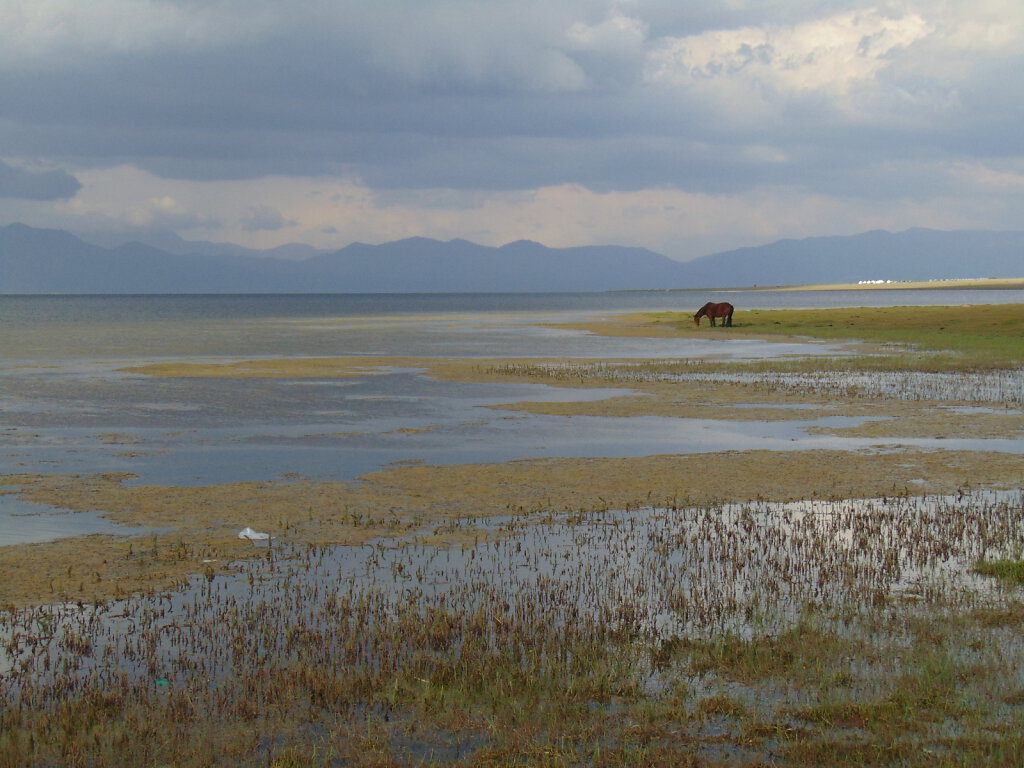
[1010,571]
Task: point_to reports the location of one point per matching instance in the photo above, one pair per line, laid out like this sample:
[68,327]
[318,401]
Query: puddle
[24,522]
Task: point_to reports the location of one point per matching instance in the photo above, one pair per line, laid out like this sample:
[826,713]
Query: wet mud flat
[911,432]
[800,607]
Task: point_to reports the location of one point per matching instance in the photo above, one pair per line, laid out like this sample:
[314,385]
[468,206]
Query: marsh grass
[969,355]
[817,633]
[1011,571]
[971,337]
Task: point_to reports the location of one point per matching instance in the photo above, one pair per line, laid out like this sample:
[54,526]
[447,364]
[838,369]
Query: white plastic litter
[251,535]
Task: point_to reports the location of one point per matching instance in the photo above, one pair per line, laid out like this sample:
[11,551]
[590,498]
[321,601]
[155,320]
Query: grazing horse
[712,310]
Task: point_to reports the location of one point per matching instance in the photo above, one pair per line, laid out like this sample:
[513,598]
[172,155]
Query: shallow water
[62,328]
[669,573]
[65,408]
[24,522]
[687,572]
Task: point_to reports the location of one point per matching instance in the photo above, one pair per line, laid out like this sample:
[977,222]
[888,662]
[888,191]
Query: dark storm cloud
[36,185]
[371,90]
[702,96]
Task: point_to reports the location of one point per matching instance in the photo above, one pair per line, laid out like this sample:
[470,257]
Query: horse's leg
[712,320]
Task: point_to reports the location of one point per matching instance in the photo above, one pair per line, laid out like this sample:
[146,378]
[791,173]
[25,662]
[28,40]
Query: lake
[58,328]
[66,408]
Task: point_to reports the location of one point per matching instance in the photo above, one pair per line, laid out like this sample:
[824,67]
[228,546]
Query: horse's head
[696,319]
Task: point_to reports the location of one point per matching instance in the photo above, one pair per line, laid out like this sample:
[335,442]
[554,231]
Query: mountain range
[55,261]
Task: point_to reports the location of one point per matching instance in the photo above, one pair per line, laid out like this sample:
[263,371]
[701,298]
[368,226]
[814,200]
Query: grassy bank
[983,336]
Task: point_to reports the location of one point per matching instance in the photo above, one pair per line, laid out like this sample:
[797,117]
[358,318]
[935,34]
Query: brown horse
[712,310]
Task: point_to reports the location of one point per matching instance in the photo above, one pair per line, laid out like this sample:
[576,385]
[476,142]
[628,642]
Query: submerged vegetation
[830,631]
[836,633]
[838,377]
[956,355]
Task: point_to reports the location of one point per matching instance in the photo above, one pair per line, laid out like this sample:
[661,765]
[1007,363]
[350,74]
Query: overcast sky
[687,127]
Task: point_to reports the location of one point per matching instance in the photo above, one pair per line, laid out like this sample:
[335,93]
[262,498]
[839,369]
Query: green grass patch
[1011,571]
[989,336]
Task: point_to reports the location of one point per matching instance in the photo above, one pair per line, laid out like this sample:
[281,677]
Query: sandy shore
[1008,283]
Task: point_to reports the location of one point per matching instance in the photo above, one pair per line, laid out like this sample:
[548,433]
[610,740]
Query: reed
[719,635]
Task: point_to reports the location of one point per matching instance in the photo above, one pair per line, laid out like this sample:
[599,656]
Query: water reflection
[24,522]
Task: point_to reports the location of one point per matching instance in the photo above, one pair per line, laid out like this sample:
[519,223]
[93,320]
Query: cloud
[832,55]
[330,213]
[450,106]
[36,185]
[60,32]
[263,218]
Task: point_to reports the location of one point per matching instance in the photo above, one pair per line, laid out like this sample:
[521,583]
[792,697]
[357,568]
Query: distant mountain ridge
[915,254]
[55,261]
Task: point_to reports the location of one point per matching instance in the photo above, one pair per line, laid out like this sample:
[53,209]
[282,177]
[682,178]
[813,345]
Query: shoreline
[990,283]
[420,498]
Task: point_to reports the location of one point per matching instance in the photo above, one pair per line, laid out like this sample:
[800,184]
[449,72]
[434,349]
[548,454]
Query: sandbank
[990,283]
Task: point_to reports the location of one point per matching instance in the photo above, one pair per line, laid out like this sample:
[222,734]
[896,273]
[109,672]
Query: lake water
[60,328]
[65,408]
